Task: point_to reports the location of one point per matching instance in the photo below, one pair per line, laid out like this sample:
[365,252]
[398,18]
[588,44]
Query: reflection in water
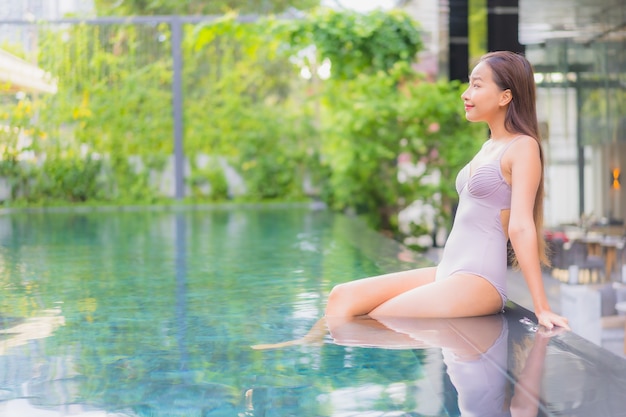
[475,352]
[39,327]
[180,247]
[479,378]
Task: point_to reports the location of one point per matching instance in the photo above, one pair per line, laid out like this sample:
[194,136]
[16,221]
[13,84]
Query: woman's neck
[501,134]
[497,126]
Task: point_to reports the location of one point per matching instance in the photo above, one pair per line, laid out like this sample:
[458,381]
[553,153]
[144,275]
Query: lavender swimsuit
[477,243]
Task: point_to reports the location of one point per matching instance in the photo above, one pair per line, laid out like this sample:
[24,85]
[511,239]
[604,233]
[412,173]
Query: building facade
[578,49]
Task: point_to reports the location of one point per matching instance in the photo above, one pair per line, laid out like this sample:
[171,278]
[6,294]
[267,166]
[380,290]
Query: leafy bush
[70,179]
[247,100]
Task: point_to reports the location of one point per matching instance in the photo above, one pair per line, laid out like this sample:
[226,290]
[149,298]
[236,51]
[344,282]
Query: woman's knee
[339,301]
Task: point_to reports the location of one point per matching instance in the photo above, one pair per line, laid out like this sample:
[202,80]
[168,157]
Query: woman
[500,199]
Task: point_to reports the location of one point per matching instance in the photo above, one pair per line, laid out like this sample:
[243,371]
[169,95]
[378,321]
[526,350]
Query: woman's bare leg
[314,336]
[357,298]
[460,295]
[413,293]
[360,297]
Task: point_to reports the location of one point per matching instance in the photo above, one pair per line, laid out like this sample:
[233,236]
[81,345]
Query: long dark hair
[513,72]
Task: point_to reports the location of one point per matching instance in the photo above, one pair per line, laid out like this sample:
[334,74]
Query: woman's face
[483,97]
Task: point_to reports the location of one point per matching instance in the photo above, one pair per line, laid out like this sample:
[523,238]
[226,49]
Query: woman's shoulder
[524,144]
[524,153]
[525,140]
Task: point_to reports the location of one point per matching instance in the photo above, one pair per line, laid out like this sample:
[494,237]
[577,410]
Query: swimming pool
[153,312]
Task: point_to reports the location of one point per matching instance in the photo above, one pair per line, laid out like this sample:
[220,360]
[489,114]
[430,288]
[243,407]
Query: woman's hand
[548,319]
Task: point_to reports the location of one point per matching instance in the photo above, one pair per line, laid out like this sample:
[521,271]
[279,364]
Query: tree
[357,43]
[377,107]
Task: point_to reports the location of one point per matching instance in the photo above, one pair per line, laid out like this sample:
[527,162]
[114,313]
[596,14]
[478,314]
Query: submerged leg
[350,331]
[314,335]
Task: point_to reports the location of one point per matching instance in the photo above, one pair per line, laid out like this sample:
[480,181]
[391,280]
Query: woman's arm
[525,171]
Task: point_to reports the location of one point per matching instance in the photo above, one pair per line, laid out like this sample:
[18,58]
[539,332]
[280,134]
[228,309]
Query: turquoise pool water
[153,313]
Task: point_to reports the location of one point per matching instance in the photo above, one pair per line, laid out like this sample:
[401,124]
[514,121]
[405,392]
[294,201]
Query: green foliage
[257,118]
[361,144]
[70,179]
[254,98]
[382,116]
[219,185]
[19,136]
[110,105]
[438,133]
[357,43]
[211,177]
[18,132]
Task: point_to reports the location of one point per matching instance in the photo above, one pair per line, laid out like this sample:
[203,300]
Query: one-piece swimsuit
[477,243]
